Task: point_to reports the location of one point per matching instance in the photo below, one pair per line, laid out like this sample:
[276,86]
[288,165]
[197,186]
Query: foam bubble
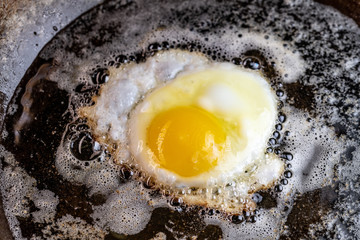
[159,236]
[99,174]
[46,202]
[16,197]
[316,151]
[266,227]
[126,210]
[69,226]
[288,62]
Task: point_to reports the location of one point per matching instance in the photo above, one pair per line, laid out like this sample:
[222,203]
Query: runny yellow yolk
[186,140]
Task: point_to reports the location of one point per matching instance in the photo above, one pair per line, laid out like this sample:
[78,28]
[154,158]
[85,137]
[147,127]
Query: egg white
[169,79]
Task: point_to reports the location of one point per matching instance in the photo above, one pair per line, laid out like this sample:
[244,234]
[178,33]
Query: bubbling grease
[310,54]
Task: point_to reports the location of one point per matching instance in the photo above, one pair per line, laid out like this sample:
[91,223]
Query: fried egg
[190,123]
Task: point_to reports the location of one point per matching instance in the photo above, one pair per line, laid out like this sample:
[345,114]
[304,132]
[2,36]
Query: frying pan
[25,29]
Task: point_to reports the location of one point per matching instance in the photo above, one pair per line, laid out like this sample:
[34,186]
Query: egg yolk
[186,140]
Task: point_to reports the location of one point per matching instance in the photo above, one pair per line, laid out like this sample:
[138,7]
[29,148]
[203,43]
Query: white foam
[159,236]
[266,227]
[68,227]
[16,197]
[126,211]
[100,176]
[46,201]
[289,62]
[316,150]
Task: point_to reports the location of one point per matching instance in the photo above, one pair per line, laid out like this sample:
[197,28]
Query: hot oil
[56,177]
